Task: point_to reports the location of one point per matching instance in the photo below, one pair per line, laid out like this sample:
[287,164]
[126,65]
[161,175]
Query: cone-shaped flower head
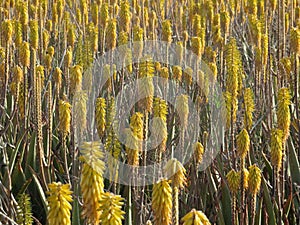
[176,172]
[195,217]
[249,108]
[283,111]
[162,202]
[64,109]
[75,78]
[111,209]
[59,200]
[233,179]
[91,182]
[100,115]
[243,143]
[198,152]
[276,147]
[182,107]
[24,54]
[295,40]
[254,179]
[167,31]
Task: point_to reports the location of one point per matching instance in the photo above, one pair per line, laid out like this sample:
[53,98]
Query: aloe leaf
[294,163]
[268,202]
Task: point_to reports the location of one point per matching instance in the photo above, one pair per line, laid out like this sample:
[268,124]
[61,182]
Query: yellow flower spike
[23,9]
[80,110]
[177,173]
[50,51]
[48,61]
[177,73]
[100,116]
[188,76]
[195,217]
[160,108]
[57,77]
[162,202]
[196,25]
[48,25]
[111,34]
[59,199]
[136,125]
[125,16]
[34,34]
[214,69]
[104,15]
[111,209]
[60,8]
[233,179]
[91,181]
[46,37]
[283,112]
[18,75]
[243,143]
[198,152]
[179,52]
[254,179]
[225,21]
[71,36]
[18,33]
[295,40]
[249,108]
[182,108]
[145,86]
[246,178]
[123,38]
[68,57]
[40,70]
[7,30]
[94,13]
[138,41]
[276,148]
[132,148]
[75,78]
[64,109]
[54,14]
[196,46]
[167,31]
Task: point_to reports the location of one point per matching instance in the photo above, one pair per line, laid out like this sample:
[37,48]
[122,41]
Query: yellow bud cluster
[91,181]
[7,30]
[111,209]
[167,31]
[100,116]
[254,179]
[60,197]
[177,73]
[243,143]
[177,173]
[162,202]
[198,152]
[195,217]
[75,78]
[64,109]
[276,148]
[295,40]
[249,108]
[283,111]
[182,107]
[125,16]
[233,179]
[34,34]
